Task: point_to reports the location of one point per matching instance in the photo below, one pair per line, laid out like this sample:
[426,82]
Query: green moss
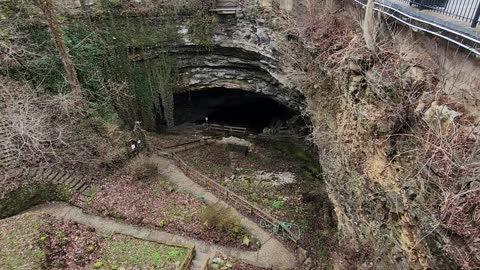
[29,196]
[155,82]
[277,204]
[139,32]
[18,236]
[101,52]
[311,169]
[129,252]
[201,27]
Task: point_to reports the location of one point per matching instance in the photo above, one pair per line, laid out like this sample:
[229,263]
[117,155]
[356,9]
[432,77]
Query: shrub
[277,204]
[201,27]
[143,169]
[221,218]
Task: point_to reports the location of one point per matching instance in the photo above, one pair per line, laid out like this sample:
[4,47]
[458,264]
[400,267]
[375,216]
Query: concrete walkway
[272,252]
[270,255]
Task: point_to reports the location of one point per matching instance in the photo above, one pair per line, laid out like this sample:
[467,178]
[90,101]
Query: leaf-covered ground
[18,243]
[34,241]
[304,203]
[157,204]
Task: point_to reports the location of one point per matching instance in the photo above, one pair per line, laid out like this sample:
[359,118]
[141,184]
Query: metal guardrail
[456,37]
[465,10]
[231,197]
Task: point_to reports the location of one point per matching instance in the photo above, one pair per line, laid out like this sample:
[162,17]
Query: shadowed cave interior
[231,107]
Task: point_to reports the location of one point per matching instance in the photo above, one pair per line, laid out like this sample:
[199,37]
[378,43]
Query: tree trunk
[369,26]
[47,8]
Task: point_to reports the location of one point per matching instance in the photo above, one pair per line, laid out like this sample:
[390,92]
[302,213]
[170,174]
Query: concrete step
[58,178]
[199,260]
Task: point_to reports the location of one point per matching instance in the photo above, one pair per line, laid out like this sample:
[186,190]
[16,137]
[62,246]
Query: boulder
[440,117]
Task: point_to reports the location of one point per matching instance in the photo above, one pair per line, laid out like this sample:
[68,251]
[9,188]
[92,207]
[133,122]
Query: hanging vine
[166,76]
[201,27]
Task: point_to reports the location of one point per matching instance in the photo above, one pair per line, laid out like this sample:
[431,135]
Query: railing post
[476,17]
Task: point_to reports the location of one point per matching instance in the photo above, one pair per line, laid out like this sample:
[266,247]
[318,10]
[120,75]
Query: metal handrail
[414,26]
[465,10]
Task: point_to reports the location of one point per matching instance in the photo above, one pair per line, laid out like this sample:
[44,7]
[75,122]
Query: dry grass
[221,218]
[380,98]
[33,129]
[143,169]
[159,7]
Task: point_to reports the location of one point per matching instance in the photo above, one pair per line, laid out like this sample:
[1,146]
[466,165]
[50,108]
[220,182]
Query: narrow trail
[272,252]
[267,256]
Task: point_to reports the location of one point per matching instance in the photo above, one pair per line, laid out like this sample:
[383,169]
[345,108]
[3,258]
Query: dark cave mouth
[231,107]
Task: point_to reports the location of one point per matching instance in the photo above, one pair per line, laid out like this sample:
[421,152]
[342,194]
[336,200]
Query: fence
[465,10]
[232,198]
[229,129]
[186,146]
[224,6]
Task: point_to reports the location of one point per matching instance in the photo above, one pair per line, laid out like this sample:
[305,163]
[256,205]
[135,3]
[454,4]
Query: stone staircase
[8,152]
[15,177]
[200,261]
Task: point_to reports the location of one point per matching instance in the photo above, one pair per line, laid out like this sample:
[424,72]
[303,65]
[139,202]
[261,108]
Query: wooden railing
[185,146]
[230,129]
[224,6]
[237,201]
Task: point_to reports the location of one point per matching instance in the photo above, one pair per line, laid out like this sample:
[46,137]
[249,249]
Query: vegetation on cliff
[400,144]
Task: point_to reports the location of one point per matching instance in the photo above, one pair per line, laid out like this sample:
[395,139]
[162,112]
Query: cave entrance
[231,107]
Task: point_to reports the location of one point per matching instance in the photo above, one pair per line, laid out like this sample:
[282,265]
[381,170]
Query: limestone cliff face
[397,133]
[398,136]
[379,125]
[402,165]
[242,56]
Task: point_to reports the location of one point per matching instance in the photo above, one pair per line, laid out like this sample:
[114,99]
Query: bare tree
[47,7]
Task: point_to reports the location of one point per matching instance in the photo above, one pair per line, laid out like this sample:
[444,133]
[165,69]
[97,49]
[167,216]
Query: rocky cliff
[398,137]
[397,131]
